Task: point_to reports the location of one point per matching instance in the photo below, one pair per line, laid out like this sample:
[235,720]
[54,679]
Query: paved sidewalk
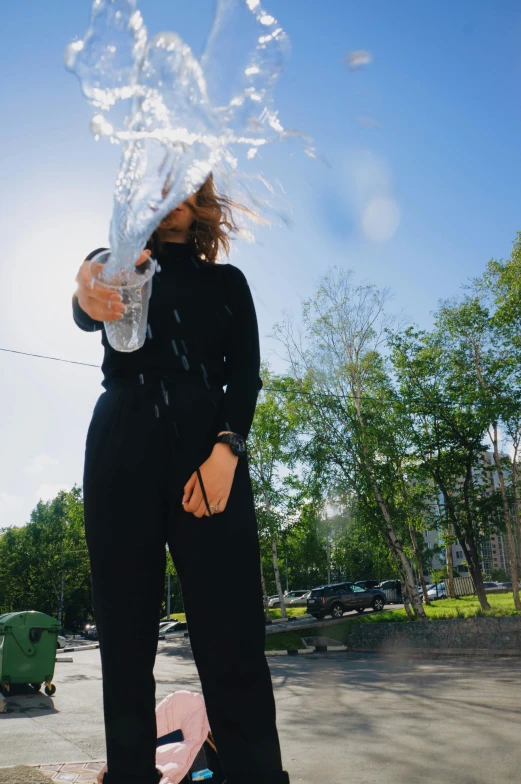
[73,772]
[344,718]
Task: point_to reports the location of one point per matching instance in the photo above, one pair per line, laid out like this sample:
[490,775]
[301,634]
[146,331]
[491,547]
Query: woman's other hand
[217,474]
[97,301]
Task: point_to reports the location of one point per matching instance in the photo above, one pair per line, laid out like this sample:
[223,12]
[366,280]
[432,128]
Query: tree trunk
[450,567]
[404,567]
[448,549]
[514,575]
[419,564]
[467,542]
[516,504]
[276,562]
[277,577]
[62,599]
[265,594]
[398,554]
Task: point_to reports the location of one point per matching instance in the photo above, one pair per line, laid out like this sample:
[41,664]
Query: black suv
[339,598]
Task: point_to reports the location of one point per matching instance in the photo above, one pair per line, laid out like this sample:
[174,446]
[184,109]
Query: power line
[41,356]
[86,364]
[266,389]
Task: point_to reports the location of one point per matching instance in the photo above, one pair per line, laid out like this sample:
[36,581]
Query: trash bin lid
[29,618]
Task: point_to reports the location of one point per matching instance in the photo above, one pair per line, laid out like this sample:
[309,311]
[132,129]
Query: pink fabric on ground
[182,710]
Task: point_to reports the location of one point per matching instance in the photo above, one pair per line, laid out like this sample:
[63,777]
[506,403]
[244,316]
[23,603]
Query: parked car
[338,598]
[167,623]
[288,597]
[508,586]
[368,584]
[435,591]
[300,601]
[90,632]
[491,585]
[392,590]
[173,628]
[61,642]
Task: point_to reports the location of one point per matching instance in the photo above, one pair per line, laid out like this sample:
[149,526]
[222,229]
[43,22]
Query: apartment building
[495,552]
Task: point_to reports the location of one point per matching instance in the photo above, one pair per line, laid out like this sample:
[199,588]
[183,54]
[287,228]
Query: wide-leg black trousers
[144,442]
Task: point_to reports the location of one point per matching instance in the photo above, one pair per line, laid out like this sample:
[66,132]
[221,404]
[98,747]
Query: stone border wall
[457,635]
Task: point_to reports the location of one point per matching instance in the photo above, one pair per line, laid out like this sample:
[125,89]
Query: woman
[160,461]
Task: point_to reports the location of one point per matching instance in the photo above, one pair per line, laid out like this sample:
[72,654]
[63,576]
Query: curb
[469,653]
[79,648]
[316,649]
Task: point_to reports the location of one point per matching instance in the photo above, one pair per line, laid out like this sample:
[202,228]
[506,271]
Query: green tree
[343,394]
[448,424]
[276,488]
[488,379]
[44,565]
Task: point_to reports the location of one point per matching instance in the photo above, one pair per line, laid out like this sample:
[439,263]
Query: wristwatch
[236,443]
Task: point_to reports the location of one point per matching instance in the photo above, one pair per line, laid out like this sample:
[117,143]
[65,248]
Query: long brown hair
[213,224]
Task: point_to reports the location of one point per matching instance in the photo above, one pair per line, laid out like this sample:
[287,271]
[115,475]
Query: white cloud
[48,492]
[8,504]
[39,463]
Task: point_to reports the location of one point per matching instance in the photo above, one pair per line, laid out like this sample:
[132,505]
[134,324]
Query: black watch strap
[236,442]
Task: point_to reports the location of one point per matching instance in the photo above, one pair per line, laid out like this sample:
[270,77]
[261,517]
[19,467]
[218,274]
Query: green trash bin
[28,642]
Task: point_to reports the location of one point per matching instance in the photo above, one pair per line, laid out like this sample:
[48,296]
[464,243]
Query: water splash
[179,119]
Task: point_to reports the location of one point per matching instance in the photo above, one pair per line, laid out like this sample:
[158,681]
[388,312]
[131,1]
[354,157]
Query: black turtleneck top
[202,321]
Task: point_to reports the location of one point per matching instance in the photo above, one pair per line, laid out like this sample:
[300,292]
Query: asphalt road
[343,718]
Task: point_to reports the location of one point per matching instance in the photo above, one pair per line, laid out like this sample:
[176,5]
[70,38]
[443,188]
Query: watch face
[238,445]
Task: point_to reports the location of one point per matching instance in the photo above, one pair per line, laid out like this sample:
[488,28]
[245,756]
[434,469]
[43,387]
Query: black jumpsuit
[155,423]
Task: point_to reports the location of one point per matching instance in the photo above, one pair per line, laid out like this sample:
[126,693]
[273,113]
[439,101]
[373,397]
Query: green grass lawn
[291,612]
[466,607]
[175,616]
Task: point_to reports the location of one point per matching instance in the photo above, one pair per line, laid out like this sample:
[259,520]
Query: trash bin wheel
[50,689]
[36,686]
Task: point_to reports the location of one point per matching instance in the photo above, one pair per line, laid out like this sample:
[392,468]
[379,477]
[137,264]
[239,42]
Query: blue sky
[430,130]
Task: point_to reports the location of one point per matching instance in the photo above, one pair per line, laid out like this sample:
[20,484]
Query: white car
[300,601]
[288,598]
[175,627]
[491,585]
[435,591]
[61,642]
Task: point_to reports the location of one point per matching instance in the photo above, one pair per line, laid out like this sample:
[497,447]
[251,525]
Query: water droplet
[185,362]
[149,332]
[165,393]
[174,346]
[157,411]
[176,429]
[141,378]
[228,310]
[183,344]
[203,368]
[177,317]
[195,262]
